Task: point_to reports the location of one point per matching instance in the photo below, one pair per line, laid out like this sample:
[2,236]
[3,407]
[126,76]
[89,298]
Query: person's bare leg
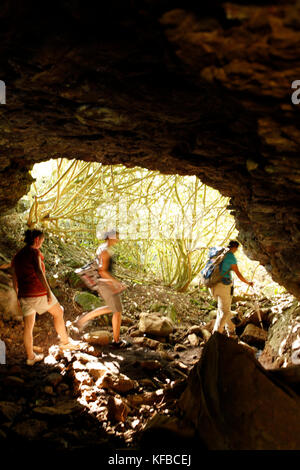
[116,325]
[219,323]
[29,321]
[85,317]
[59,324]
[224,309]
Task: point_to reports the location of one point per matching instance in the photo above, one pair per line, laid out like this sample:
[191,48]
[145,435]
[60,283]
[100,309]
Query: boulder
[89,394]
[288,375]
[98,337]
[235,404]
[155,325]
[9,309]
[193,339]
[66,407]
[97,369]
[13,381]
[174,434]
[88,301]
[117,382]
[49,390]
[31,428]
[9,410]
[151,365]
[147,342]
[146,398]
[77,365]
[194,329]
[180,347]
[254,335]
[54,379]
[117,409]
[205,333]
[212,315]
[126,321]
[82,379]
[256,316]
[83,358]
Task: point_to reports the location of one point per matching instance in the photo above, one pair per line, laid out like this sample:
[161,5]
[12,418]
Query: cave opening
[78,201]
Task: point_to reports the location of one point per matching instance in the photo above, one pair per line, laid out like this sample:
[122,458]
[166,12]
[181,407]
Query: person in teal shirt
[222,291]
[229,260]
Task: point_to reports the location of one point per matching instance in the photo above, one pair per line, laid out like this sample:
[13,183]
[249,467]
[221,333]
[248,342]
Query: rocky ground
[105,396]
[100,397]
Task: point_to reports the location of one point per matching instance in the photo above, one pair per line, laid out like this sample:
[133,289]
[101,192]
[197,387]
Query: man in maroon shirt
[34,293]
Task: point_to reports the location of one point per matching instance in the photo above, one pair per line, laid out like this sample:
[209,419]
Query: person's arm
[235,268]
[37,263]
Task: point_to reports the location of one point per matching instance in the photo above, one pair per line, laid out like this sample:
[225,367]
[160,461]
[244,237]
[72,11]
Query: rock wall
[235,404]
[176,87]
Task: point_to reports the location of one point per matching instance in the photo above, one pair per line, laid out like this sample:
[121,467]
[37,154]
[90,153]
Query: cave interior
[179,86]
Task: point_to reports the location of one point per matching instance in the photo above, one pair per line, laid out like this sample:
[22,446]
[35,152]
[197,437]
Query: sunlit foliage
[166,222]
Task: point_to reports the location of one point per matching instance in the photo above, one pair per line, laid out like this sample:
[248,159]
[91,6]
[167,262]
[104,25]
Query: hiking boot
[37,358]
[120,344]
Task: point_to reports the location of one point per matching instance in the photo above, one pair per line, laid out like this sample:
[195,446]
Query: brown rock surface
[8,299]
[98,337]
[236,404]
[254,335]
[119,383]
[31,428]
[155,325]
[193,90]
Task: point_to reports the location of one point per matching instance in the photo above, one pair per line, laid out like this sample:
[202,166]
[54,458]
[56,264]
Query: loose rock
[31,428]
[254,335]
[155,324]
[9,410]
[193,339]
[117,409]
[119,383]
[98,337]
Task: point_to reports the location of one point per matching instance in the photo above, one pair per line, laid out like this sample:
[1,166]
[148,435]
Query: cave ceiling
[189,87]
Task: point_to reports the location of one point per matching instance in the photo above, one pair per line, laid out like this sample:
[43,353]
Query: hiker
[34,294]
[108,288]
[223,291]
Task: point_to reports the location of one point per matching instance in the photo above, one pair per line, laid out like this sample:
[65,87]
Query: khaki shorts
[113,301]
[30,305]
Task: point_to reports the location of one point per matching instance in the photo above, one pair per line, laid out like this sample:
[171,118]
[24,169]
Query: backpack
[89,274]
[211,273]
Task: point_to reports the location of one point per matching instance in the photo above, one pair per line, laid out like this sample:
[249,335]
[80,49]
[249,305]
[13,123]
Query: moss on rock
[88,301]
